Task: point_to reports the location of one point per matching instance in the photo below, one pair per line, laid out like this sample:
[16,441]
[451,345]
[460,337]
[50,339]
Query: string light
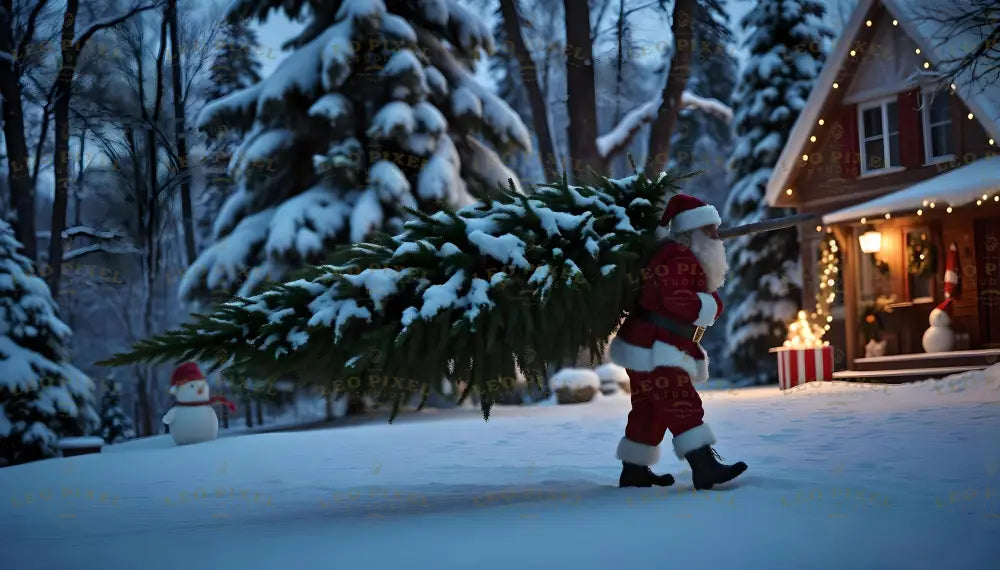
[996,198]
[887,216]
[819,228]
[868,23]
[991,142]
[948,209]
[821,121]
[788,191]
[895,22]
[836,85]
[853,53]
[864,220]
[932,205]
[927,65]
[920,212]
[970,115]
[918,51]
[805,157]
[826,294]
[813,139]
[979,202]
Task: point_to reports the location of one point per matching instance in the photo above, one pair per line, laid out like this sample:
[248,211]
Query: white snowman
[192,419]
[939,337]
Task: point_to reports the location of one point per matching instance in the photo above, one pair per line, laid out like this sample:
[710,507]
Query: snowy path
[841,476]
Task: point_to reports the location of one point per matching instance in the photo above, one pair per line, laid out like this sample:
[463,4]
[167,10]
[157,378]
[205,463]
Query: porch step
[900,376]
[923,360]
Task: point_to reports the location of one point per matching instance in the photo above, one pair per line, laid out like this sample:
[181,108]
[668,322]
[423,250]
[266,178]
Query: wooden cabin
[886,149]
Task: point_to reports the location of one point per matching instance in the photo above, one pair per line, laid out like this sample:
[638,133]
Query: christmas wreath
[921,255]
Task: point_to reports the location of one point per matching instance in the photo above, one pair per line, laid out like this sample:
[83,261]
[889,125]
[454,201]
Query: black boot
[642,476]
[707,471]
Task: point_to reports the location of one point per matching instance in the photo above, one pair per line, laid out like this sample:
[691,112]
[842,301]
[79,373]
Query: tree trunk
[529,76]
[619,66]
[60,153]
[248,415]
[581,94]
[260,412]
[329,407]
[22,194]
[180,133]
[77,202]
[145,422]
[680,70]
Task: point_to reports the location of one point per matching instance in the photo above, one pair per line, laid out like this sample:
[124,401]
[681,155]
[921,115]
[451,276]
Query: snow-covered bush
[575,385]
[42,396]
[613,378]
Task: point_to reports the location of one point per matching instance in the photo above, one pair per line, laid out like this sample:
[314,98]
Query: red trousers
[662,400]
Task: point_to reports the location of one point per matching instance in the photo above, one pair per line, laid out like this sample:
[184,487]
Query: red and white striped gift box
[800,365]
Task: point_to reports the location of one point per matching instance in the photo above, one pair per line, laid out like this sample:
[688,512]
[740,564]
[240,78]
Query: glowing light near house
[836,85]
[813,139]
[948,209]
[927,65]
[805,157]
[918,51]
[970,115]
[854,53]
[920,212]
[821,121]
[788,191]
[895,22]
[868,23]
[887,216]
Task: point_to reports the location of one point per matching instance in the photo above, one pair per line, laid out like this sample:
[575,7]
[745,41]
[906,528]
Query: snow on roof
[954,188]
[935,41]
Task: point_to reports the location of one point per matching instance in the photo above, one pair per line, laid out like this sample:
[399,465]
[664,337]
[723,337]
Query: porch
[900,368]
[895,257]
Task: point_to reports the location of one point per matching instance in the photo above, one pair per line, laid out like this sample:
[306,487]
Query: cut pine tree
[517,281]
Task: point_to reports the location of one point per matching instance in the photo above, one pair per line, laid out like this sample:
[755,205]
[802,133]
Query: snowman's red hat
[947,306]
[186,372]
[685,213]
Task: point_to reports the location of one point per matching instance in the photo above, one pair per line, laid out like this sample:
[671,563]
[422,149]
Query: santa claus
[658,344]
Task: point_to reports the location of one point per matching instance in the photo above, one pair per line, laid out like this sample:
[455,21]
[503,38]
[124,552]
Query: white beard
[711,254]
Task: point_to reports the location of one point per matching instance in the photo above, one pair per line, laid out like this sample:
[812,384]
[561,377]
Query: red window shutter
[911,135]
[849,147]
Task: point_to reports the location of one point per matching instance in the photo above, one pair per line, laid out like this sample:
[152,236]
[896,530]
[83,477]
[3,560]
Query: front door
[988,279]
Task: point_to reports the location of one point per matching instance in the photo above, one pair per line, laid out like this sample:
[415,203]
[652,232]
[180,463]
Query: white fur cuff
[686,221]
[638,453]
[706,315]
[694,438]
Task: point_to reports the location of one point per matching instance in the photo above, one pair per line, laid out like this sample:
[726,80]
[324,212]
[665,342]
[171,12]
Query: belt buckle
[698,333]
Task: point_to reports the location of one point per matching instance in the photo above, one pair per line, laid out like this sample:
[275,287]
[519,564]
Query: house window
[937,126]
[879,129]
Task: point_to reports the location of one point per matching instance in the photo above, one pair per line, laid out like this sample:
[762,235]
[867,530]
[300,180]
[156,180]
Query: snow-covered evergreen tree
[235,67]
[376,111]
[115,424]
[765,278]
[42,396]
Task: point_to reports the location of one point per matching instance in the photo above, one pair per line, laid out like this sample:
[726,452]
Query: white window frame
[925,114]
[884,105]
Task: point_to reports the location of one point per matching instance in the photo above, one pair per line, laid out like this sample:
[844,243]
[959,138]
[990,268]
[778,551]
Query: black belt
[681,329]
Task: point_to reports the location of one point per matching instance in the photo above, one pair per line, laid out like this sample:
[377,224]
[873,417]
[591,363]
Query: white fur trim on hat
[688,220]
[661,354]
[950,276]
[706,315]
[694,438]
[637,453]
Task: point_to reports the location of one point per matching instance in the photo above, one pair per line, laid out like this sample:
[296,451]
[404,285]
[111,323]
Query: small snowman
[192,419]
[939,337]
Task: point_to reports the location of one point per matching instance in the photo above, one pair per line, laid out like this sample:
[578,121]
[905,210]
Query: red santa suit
[662,362]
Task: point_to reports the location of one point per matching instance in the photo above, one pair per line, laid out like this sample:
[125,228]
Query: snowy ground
[841,476]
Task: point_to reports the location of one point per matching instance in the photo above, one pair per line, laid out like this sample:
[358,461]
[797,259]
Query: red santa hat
[685,213]
[186,372]
[946,306]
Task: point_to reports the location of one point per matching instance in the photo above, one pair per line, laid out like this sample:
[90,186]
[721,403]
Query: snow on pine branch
[619,137]
[707,105]
[90,232]
[99,247]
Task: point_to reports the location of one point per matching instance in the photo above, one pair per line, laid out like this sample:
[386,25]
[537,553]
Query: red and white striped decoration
[952,288]
[800,365]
